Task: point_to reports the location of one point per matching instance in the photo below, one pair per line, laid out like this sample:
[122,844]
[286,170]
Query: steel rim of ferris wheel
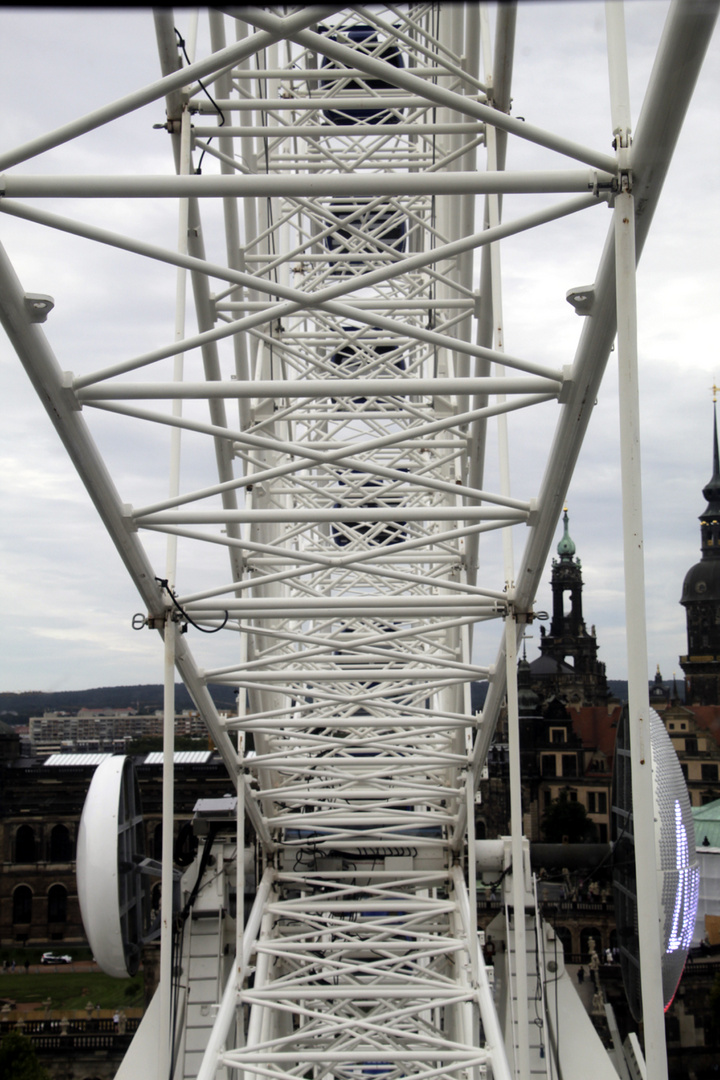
[366,369]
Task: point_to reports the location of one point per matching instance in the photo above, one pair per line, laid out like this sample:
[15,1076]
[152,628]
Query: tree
[18,1060]
[565,821]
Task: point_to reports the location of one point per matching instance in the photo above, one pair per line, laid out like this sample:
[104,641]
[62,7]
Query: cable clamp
[181,616]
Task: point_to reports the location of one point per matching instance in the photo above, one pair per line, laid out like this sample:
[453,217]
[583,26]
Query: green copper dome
[566,547]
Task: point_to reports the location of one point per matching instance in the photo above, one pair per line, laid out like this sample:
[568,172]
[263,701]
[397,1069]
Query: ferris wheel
[324,518]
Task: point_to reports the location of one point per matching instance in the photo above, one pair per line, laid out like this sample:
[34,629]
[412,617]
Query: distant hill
[618,688]
[16,708]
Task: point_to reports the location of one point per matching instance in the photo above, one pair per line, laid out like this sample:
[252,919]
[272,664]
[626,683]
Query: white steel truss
[338,399]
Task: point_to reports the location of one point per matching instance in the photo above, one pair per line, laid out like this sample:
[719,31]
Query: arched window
[564,936]
[22,904]
[25,844]
[57,904]
[61,845]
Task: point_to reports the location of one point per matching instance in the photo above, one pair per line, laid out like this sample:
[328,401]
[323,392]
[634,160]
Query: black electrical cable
[178,938]
[213,829]
[221,114]
[178,935]
[164,584]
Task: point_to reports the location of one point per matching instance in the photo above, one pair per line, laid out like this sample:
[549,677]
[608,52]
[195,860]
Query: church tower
[701,599]
[568,663]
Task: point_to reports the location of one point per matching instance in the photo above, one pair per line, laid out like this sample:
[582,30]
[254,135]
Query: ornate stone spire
[566,547]
[701,597]
[568,659]
[710,519]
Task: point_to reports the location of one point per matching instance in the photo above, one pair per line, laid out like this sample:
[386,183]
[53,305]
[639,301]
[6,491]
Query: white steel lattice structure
[338,401]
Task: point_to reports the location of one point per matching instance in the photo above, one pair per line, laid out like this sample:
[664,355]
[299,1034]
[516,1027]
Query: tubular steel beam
[17,186]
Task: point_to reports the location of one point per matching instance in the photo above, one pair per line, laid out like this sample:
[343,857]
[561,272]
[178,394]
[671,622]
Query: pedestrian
[12,968]
[581,975]
[489,950]
[116,1021]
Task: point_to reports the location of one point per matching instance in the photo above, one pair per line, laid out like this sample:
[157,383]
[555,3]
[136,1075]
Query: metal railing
[37,1029]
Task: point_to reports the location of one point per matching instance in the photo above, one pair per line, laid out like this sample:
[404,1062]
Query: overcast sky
[67,602]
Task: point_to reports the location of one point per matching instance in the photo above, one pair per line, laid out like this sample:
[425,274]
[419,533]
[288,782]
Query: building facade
[104,730]
[568,665]
[701,600]
[41,802]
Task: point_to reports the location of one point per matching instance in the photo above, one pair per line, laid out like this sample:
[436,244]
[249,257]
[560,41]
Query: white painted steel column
[168,813]
[229,1003]
[618,71]
[179,360]
[240,856]
[257,1022]
[644,827]
[522,1062]
[471,873]
[230,207]
[488,1012]
[649,926]
[168,781]
[521,1031]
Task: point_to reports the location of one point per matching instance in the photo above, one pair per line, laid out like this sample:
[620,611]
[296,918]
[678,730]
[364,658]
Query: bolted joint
[171,126]
[525,618]
[624,166]
[152,622]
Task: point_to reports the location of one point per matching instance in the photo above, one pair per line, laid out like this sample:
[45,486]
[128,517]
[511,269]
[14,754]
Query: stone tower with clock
[568,666]
[701,600]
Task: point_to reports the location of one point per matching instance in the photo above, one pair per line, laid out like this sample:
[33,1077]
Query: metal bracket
[525,618]
[38,306]
[582,299]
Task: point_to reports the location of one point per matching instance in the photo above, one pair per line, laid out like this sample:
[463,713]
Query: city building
[567,719]
[41,802]
[104,730]
[697,751]
[568,665]
[701,599]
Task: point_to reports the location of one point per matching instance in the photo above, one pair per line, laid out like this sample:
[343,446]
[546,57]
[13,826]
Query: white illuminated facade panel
[709,899]
[678,870]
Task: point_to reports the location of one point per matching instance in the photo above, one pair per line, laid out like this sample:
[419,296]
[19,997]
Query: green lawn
[73,990]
